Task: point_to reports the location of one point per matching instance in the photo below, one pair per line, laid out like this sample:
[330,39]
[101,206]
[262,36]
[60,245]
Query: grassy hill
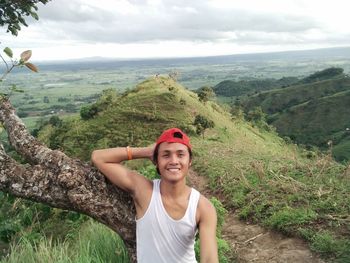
[310,113]
[232,88]
[318,121]
[278,100]
[135,117]
[256,173]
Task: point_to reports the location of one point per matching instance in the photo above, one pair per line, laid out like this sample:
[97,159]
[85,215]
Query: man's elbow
[95,157]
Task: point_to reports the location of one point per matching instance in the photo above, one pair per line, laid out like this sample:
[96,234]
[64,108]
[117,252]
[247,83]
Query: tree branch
[59,181]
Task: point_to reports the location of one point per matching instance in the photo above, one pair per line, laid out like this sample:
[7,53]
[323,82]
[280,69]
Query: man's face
[173,161]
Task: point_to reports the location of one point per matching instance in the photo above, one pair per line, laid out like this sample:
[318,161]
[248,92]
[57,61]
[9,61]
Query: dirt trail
[253,243]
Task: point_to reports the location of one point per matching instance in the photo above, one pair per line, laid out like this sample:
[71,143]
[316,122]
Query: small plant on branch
[11,64]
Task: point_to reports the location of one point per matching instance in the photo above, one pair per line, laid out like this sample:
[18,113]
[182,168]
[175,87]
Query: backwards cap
[174,135]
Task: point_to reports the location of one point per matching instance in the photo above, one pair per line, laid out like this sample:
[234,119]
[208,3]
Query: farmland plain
[62,87]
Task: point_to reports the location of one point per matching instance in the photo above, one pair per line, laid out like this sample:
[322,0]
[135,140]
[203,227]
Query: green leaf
[34,15]
[20,19]
[8,52]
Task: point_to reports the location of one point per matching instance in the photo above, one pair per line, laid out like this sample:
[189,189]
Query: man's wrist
[138,152]
[129,152]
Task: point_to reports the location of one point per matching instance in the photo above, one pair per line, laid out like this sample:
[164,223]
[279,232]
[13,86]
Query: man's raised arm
[108,161]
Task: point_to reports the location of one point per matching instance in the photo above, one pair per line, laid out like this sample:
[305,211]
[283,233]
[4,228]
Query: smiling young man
[168,212]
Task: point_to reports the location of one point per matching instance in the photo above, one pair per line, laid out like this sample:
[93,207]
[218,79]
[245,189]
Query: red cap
[174,135]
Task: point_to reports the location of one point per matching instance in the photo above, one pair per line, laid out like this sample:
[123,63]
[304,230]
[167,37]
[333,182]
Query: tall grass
[93,243]
[281,189]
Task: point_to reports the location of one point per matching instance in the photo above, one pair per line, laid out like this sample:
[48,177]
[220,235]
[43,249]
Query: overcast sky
[180,28]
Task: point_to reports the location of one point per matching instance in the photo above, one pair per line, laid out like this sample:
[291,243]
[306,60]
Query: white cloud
[204,27]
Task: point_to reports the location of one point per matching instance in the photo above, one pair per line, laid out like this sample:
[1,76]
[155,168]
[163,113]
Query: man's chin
[171,176]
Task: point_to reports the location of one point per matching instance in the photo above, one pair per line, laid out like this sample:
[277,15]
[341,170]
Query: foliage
[101,244]
[10,65]
[46,99]
[55,121]
[88,112]
[258,118]
[149,171]
[288,216]
[174,75]
[221,214]
[270,182]
[256,115]
[278,100]
[327,245]
[237,112]
[12,13]
[323,74]
[93,243]
[202,123]
[133,119]
[106,99]
[205,93]
[232,88]
[17,215]
[256,172]
[310,106]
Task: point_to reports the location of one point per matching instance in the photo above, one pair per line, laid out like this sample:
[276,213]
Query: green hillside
[232,88]
[325,74]
[278,100]
[135,117]
[255,172]
[311,114]
[317,121]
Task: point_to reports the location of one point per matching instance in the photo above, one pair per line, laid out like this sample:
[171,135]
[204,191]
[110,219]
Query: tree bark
[53,178]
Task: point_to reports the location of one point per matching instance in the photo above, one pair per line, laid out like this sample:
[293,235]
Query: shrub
[202,123]
[88,112]
[287,218]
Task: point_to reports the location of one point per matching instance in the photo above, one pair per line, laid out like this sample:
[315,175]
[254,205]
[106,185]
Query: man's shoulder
[204,203]
[205,209]
[143,185]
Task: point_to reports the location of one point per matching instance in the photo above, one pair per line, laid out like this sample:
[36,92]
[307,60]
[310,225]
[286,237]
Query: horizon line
[101,58]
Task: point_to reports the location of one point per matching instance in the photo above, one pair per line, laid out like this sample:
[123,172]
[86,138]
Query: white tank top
[162,239]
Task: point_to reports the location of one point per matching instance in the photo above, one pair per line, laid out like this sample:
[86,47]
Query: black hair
[178,135]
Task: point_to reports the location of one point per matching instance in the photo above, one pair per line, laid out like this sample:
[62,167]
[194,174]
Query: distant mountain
[232,88]
[319,121]
[277,100]
[313,113]
[323,75]
[324,54]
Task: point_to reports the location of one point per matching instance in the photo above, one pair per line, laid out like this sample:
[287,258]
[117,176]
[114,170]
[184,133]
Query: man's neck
[173,190]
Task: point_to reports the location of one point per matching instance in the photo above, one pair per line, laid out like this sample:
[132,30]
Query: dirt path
[253,243]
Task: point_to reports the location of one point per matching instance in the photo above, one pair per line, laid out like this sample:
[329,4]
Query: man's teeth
[173,169]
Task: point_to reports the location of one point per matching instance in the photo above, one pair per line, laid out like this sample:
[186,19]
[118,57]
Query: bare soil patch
[253,243]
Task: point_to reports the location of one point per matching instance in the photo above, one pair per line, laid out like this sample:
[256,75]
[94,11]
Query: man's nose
[174,159]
